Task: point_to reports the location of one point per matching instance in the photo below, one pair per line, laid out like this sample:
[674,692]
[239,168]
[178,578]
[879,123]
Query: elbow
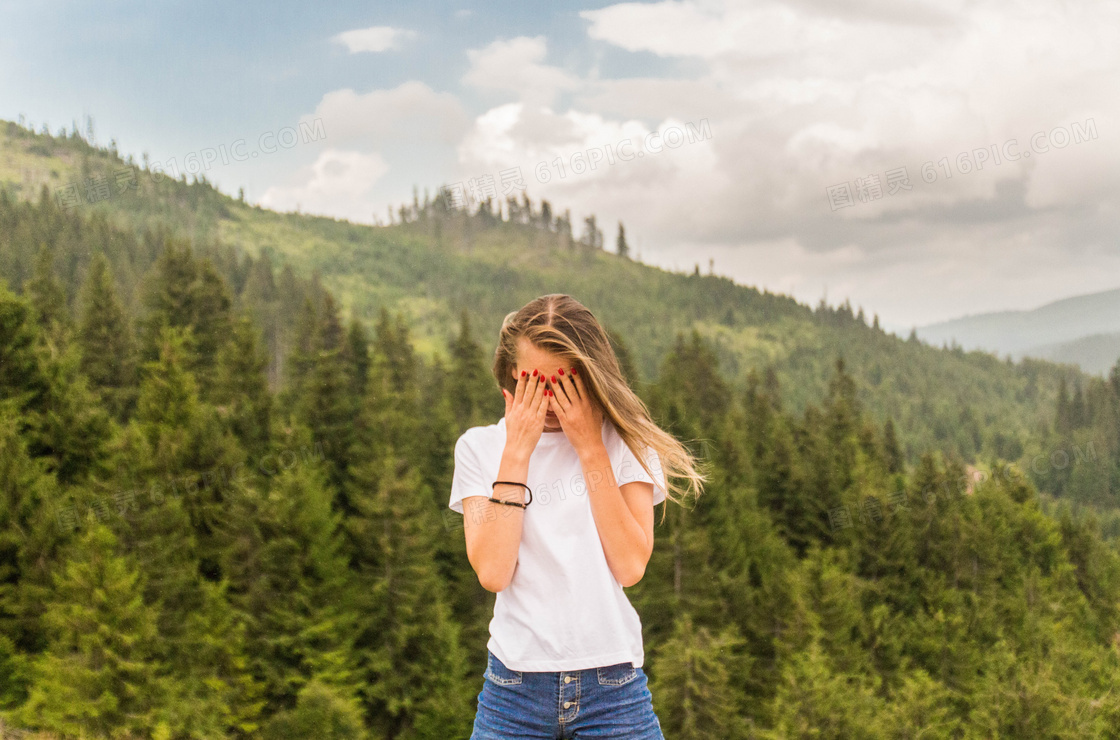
[492,584]
[492,580]
[635,572]
[632,576]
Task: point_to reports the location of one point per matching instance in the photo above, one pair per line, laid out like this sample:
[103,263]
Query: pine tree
[241,387]
[693,693]
[98,674]
[187,293]
[188,445]
[105,340]
[357,357]
[413,667]
[621,246]
[21,373]
[301,356]
[1078,412]
[321,713]
[546,216]
[394,373]
[891,448]
[52,399]
[32,520]
[1063,422]
[470,386]
[783,490]
[814,701]
[260,298]
[48,298]
[690,377]
[564,230]
[592,236]
[625,359]
[15,676]
[72,429]
[438,431]
[210,688]
[327,406]
[288,573]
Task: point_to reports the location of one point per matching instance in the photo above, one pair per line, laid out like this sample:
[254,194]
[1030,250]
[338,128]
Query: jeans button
[567,704]
[567,679]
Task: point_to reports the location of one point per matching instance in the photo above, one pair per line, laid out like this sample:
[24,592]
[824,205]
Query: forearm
[624,542]
[493,548]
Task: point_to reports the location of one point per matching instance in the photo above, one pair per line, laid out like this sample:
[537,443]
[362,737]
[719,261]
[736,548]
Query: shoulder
[613,438]
[481,436]
[617,449]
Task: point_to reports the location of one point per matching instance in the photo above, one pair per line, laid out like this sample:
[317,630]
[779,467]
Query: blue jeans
[609,701]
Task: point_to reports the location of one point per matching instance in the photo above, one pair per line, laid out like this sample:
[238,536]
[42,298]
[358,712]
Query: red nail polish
[523,373]
[561,371]
[573,371]
[553,378]
[534,373]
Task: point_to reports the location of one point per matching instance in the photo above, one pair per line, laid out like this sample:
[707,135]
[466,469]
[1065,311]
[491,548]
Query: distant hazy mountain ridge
[1084,330]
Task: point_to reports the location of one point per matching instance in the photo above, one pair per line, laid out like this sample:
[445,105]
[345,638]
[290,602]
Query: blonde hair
[560,324]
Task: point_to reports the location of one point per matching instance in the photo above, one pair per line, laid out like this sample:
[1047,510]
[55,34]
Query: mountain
[1096,353]
[1083,330]
[436,261]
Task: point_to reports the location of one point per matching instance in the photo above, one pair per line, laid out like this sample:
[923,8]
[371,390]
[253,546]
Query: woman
[558,519]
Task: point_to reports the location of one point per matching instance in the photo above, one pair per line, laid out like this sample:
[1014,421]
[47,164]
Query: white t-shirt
[563,610]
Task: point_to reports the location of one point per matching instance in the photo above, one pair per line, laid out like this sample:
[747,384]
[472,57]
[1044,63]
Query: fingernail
[523,373]
[553,378]
[561,371]
[573,371]
[534,373]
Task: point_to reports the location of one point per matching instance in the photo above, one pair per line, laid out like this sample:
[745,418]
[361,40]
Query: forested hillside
[435,261]
[223,495]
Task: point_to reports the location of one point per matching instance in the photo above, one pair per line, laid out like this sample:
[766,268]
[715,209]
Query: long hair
[560,324]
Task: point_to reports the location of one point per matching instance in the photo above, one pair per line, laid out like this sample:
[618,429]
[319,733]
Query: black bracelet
[512,503]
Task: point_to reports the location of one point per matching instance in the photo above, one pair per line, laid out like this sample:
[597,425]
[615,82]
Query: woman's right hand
[525,413]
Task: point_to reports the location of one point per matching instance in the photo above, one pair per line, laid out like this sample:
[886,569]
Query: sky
[922,159]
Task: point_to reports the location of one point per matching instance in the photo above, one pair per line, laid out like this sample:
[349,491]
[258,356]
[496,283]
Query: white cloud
[375,38]
[338,184]
[409,130]
[516,66]
[410,113]
[801,95]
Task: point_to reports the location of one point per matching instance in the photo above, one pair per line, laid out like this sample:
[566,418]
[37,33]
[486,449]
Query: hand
[580,419]
[525,411]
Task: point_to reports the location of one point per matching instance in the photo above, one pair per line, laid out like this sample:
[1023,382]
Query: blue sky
[807,105]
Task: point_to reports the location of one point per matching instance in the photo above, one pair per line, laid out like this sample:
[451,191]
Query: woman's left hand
[581,421]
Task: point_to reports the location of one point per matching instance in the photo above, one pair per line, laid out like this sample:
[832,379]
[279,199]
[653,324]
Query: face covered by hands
[580,419]
[569,407]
